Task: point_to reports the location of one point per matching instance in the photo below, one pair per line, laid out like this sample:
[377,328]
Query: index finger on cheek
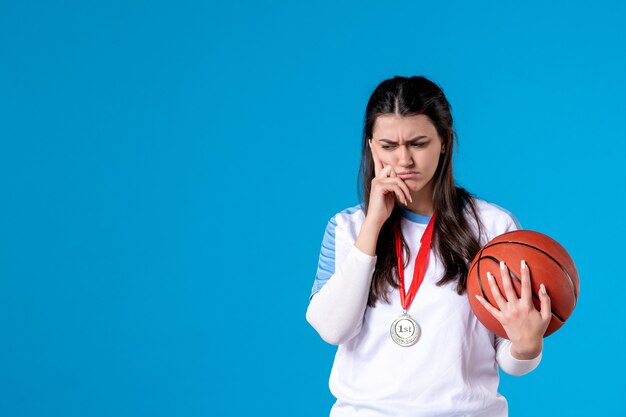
[378,165]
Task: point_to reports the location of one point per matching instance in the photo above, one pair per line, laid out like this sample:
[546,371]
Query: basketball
[548,263]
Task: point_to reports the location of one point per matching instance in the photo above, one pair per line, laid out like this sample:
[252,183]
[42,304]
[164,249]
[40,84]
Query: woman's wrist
[368,237]
[526,350]
[372,224]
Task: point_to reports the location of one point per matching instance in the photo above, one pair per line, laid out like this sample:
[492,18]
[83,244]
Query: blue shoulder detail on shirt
[326,264]
[414,217]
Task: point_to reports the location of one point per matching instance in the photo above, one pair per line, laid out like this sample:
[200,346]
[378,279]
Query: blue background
[167,170]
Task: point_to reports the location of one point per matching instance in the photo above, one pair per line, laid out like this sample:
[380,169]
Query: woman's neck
[422,201]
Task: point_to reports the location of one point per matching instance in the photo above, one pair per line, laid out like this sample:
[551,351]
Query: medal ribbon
[421,262]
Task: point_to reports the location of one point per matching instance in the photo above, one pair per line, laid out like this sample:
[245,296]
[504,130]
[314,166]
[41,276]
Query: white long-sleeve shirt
[452,370]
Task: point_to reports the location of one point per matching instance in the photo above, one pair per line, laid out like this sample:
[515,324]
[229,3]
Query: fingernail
[523,264]
[502,265]
[489,276]
[543,289]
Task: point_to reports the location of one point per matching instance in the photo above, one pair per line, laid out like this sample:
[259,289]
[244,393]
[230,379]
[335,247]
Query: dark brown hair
[453,240]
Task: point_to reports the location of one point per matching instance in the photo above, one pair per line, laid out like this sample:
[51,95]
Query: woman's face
[408,144]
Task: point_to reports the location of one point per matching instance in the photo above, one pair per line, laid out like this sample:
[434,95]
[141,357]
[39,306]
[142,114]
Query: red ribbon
[421,262]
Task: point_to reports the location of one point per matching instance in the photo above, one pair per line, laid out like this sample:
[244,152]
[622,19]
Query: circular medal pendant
[404,330]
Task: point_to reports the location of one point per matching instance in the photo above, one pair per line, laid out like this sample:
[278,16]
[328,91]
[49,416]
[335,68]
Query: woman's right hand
[386,186]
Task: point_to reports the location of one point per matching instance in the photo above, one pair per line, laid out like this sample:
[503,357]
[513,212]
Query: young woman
[409,343]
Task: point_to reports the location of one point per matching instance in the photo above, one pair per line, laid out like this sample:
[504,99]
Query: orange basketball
[548,262]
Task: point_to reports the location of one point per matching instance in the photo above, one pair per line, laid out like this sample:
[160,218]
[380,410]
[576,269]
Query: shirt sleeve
[339,295]
[506,223]
[326,263]
[510,364]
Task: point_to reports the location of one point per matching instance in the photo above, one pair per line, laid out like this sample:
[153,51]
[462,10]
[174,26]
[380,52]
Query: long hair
[453,240]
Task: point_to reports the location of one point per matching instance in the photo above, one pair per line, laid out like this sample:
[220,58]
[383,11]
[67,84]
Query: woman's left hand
[524,325]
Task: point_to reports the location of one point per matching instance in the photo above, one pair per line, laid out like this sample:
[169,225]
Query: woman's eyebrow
[415,139]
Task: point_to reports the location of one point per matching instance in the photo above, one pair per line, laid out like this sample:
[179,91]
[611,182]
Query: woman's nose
[405,156]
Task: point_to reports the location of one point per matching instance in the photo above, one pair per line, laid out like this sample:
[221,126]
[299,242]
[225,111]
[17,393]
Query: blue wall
[167,170]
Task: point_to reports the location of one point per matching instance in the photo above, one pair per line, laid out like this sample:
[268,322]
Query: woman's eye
[416,145]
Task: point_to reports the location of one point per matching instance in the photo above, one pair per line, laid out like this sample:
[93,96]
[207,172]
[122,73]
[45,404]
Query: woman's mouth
[407,175]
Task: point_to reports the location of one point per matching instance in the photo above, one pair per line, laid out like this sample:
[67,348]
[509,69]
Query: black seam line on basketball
[569,278]
[511,273]
[480,281]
